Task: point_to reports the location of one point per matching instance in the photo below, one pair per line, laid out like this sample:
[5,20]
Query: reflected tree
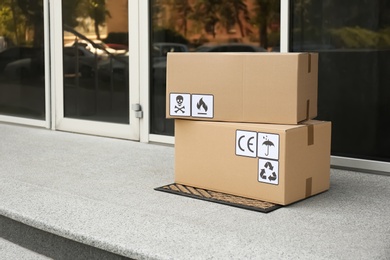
[22,21]
[76,9]
[350,25]
[220,16]
[21,18]
[183,11]
[206,12]
[226,12]
[33,12]
[72,11]
[8,20]
[266,11]
[158,9]
[96,10]
[236,12]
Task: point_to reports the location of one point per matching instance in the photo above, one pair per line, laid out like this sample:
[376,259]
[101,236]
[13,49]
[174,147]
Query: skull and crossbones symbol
[179,107]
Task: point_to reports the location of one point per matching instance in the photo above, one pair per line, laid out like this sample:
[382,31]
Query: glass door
[95,67]
[204,26]
[23,56]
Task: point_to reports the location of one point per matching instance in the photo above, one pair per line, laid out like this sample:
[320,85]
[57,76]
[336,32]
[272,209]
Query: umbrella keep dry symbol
[268,146]
[267,143]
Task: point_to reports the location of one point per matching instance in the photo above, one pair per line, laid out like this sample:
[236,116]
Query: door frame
[59,122]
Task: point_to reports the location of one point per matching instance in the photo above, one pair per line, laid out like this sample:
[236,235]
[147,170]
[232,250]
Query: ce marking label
[246,143]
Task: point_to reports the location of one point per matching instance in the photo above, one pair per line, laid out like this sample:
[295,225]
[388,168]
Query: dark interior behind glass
[353,41]
[22,78]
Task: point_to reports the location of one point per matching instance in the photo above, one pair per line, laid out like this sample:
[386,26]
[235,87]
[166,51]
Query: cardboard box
[279,88]
[275,163]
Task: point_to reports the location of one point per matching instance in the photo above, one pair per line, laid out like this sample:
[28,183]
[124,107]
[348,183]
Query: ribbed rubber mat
[218,197]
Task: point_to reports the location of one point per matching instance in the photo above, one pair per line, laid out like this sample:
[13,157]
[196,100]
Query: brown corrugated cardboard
[276,163]
[278,88]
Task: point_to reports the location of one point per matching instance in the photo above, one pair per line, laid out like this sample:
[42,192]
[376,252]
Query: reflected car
[3,43]
[117,46]
[73,57]
[229,47]
[159,54]
[115,66]
[118,66]
[161,49]
[87,61]
[17,53]
[29,63]
[98,47]
[20,69]
[308,46]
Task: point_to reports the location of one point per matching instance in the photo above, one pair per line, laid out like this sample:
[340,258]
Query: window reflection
[354,44]
[22,82]
[206,26]
[96,60]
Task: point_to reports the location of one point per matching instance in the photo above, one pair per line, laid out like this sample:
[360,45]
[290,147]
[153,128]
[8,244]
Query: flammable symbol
[202,104]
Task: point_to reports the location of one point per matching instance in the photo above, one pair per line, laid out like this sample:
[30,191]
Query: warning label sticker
[268,146]
[246,143]
[179,104]
[202,106]
[265,147]
[268,171]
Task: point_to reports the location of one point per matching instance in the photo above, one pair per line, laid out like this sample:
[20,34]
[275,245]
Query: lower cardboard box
[281,164]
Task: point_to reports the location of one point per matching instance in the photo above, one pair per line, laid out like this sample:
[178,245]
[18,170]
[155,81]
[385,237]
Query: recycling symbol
[268,173]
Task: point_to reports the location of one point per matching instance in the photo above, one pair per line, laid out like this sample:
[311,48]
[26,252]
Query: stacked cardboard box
[244,124]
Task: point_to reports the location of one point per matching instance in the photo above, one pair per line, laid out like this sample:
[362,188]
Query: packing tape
[308,109]
[310,134]
[309,183]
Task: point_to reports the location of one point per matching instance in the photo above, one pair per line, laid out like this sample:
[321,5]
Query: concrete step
[40,223]
[84,191]
[10,250]
[21,241]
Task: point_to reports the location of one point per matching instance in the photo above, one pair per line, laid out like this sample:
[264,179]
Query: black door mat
[218,197]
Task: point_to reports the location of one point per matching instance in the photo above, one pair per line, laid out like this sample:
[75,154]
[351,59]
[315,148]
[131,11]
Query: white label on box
[268,146]
[268,171]
[246,143]
[179,104]
[202,106]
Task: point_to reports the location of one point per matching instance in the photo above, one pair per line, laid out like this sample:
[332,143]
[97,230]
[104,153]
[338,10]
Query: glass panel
[96,60]
[22,78]
[353,39]
[205,26]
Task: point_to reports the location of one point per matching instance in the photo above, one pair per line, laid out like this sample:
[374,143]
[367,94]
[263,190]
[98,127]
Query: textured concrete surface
[99,191]
[9,250]
[26,242]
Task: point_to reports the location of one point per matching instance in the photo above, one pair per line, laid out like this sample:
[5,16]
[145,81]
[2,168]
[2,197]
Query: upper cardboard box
[279,88]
